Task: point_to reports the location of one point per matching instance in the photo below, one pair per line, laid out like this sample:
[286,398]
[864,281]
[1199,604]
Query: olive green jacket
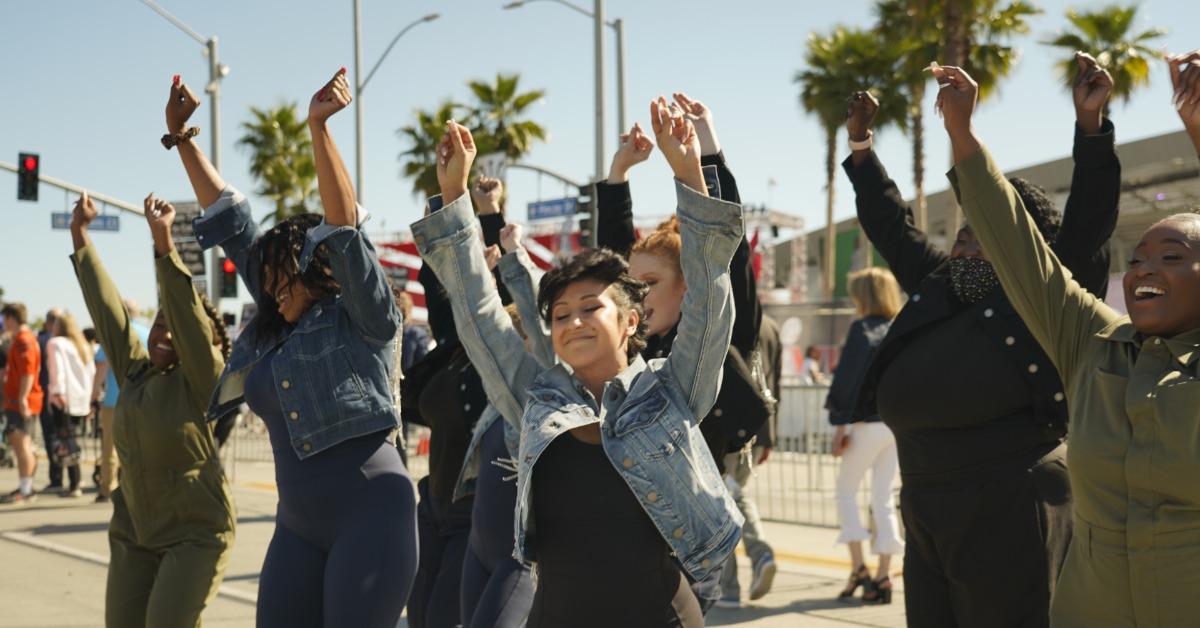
[171,481]
[1134,448]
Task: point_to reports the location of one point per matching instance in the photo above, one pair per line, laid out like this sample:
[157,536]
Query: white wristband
[865,144]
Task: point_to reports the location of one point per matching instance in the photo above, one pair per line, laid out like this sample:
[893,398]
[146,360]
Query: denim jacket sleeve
[365,292]
[710,230]
[227,223]
[449,241]
[517,271]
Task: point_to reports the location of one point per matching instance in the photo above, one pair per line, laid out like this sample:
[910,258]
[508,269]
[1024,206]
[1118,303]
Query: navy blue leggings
[434,602]
[497,591]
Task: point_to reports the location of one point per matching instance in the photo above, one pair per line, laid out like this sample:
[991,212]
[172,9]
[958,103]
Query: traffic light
[228,274]
[28,165]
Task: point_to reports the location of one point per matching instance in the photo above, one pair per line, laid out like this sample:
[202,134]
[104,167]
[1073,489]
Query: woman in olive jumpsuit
[173,520]
[1134,391]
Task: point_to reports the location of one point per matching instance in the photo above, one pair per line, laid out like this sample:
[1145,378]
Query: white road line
[25,538]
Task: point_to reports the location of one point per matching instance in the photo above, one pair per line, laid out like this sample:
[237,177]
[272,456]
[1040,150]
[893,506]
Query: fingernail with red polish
[343,70]
[175,80]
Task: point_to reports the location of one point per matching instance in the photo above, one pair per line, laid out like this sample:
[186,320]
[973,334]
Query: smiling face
[1162,285]
[589,330]
[965,244]
[162,347]
[665,298]
[291,297]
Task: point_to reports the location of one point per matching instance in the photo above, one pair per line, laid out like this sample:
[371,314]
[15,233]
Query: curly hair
[1043,211]
[608,268]
[218,325]
[664,241]
[278,251]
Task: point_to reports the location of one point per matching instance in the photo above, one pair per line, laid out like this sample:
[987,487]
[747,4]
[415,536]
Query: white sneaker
[764,576]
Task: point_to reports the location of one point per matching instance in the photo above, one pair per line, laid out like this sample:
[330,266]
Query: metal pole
[599,108]
[214,110]
[358,111]
[619,25]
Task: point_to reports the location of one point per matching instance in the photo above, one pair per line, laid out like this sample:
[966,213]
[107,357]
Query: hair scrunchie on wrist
[170,140]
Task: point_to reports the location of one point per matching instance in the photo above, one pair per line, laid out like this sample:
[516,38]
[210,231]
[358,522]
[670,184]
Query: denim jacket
[332,371]
[517,272]
[647,414]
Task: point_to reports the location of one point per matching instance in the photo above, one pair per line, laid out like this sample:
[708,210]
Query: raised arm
[1185,80]
[192,331]
[122,347]
[614,204]
[450,243]
[1060,314]
[517,273]
[365,293]
[885,217]
[710,230]
[1090,215]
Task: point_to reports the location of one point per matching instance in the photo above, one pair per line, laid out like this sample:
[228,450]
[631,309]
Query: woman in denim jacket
[631,505]
[314,363]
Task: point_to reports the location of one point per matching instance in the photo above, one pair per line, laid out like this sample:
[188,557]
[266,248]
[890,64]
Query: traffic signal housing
[28,165]
[228,275]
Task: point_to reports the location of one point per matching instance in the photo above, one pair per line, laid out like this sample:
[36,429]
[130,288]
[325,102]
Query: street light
[361,83]
[216,72]
[619,26]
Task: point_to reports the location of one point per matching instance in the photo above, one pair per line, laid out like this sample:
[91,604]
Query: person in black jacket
[444,392]
[977,409]
[742,406]
[876,298]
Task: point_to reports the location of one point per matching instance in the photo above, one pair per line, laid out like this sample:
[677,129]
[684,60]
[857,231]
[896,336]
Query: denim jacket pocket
[641,413]
[328,370]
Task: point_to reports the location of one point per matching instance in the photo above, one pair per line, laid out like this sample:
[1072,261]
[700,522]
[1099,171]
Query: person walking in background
[106,390]
[865,443]
[810,368]
[22,398]
[173,522]
[69,395]
[46,418]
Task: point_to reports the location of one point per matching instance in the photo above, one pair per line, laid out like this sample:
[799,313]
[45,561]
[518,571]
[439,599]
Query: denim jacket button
[678,533]
[651,497]
[286,384]
[1010,341]
[705,563]
[294,415]
[306,446]
[627,463]
[1058,396]
[1033,368]
[717,412]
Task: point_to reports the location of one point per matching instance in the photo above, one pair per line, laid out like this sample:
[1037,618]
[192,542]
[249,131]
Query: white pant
[873,447]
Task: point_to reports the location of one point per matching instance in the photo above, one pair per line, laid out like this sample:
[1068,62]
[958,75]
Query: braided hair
[279,251]
[218,325]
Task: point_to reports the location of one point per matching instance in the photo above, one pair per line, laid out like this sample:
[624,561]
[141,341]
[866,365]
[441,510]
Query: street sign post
[556,208]
[62,220]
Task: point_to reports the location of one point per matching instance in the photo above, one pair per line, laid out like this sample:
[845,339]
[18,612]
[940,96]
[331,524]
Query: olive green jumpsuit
[1134,448]
[173,519]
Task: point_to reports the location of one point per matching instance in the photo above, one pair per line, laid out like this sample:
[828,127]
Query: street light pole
[599,18]
[619,26]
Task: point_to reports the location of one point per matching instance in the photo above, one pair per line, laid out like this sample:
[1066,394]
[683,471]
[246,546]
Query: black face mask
[971,278]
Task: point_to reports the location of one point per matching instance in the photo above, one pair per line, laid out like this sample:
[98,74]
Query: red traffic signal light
[228,279]
[228,266]
[27,176]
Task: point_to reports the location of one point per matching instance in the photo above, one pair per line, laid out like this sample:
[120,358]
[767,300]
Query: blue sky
[88,81]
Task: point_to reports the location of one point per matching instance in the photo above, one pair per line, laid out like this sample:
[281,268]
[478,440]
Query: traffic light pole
[71,187]
[214,112]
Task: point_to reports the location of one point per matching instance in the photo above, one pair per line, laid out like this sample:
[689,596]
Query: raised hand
[492,256]
[956,97]
[84,212]
[1093,86]
[702,119]
[861,108]
[159,216]
[330,99]
[455,154]
[635,148]
[180,105]
[486,194]
[677,140]
[1185,79]
[510,237]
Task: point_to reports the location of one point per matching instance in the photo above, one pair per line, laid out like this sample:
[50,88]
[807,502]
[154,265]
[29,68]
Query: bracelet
[865,144]
[170,140]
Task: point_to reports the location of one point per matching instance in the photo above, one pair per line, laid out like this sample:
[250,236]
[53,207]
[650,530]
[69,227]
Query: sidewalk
[53,555]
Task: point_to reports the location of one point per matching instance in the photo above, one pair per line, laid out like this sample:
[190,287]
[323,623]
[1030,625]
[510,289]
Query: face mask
[972,278]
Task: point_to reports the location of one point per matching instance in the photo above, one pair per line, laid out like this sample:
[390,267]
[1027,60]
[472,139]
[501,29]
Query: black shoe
[17,497]
[880,592]
[102,499]
[860,577]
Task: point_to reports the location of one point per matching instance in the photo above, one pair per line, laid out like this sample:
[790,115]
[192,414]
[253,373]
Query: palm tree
[968,33]
[281,159]
[1107,34]
[419,161]
[496,117]
[845,61]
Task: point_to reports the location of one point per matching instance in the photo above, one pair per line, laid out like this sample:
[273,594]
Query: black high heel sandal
[880,591]
[860,577]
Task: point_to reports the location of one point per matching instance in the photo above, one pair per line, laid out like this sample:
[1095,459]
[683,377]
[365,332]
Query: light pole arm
[176,21]
[363,84]
[573,7]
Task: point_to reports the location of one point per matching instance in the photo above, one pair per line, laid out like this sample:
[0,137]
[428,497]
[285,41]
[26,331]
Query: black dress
[601,561]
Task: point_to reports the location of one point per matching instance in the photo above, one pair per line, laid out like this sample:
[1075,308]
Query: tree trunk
[830,226]
[918,145]
[954,24]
